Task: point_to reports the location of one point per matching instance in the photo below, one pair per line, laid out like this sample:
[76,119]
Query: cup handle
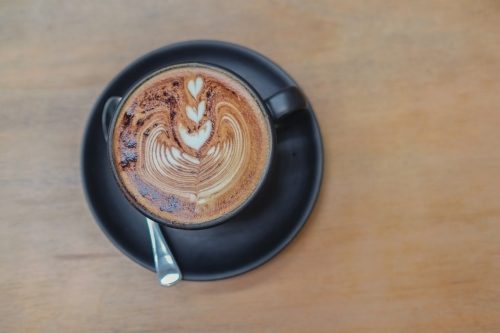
[285,102]
[107,114]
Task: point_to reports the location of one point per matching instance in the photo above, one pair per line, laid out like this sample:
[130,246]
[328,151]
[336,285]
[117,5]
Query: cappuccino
[190,144]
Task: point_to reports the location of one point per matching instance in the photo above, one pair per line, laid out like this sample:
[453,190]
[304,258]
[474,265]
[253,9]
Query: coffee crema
[190,144]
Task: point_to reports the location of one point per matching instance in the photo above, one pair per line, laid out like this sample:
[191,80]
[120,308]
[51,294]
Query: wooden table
[405,236]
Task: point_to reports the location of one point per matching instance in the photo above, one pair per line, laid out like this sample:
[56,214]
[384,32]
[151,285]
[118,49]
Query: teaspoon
[166,268]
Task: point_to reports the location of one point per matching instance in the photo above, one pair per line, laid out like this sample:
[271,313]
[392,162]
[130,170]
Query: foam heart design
[196,115]
[197,139]
[194,87]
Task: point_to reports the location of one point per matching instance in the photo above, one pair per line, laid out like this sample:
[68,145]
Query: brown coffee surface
[190,144]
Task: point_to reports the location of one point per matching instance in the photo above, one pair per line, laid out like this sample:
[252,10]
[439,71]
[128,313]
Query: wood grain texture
[405,236]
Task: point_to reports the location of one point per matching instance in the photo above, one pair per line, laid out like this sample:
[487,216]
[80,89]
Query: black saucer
[263,228]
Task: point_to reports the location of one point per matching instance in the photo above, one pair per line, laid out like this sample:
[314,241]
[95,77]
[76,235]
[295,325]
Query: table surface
[405,235]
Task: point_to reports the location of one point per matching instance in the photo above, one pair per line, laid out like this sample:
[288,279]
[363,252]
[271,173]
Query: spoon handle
[166,268]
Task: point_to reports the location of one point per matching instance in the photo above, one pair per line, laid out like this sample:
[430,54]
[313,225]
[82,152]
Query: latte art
[190,144]
[185,176]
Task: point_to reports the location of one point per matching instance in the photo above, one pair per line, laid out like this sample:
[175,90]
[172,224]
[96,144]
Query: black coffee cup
[277,107]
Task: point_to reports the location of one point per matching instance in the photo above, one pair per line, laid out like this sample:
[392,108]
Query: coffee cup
[190,145]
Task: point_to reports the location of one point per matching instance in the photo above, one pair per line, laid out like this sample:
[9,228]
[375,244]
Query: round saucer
[253,236]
